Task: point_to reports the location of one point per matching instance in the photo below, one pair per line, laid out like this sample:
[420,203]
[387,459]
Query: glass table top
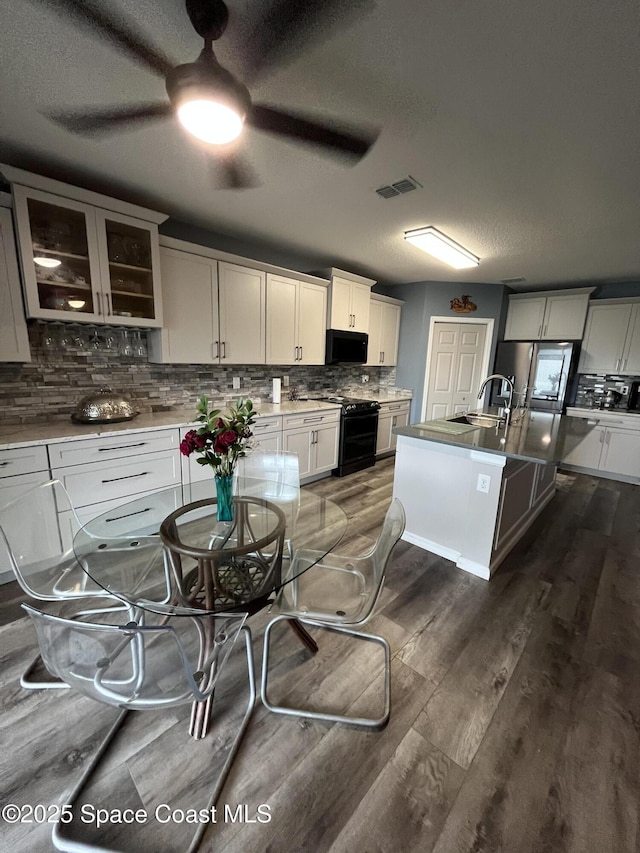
[164,554]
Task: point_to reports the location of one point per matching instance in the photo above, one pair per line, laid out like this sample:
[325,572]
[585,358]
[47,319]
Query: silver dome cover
[102,407]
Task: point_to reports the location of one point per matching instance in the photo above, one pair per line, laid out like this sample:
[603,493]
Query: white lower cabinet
[102,473]
[314,437]
[611,448]
[391,415]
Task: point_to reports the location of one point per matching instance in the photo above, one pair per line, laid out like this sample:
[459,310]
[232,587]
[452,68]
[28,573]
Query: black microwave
[346,347]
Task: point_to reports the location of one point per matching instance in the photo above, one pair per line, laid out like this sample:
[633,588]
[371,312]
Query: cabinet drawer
[263,426]
[311,420]
[103,481]
[23,460]
[119,446]
[403,406]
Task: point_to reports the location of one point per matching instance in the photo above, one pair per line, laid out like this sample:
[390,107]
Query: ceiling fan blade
[95,17]
[93,122]
[297,127]
[232,172]
[289,26]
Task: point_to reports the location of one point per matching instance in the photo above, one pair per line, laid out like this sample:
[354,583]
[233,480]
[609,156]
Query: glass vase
[224,495]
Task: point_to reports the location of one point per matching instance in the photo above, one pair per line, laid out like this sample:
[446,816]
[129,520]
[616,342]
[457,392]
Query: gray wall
[617,290]
[424,300]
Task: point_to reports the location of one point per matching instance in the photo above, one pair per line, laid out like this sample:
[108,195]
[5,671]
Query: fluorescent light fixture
[76,303]
[46,262]
[436,243]
[210,121]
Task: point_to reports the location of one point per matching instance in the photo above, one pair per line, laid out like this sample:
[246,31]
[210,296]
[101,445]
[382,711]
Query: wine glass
[126,348]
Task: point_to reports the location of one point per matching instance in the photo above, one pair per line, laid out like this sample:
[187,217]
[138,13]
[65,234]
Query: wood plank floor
[515,722]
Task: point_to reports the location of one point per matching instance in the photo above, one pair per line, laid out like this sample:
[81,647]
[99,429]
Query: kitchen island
[471,492]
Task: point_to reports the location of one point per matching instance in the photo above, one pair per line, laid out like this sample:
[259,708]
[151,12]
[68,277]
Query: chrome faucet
[509,407]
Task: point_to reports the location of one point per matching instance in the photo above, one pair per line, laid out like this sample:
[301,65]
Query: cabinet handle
[394,420]
[540,330]
[383,356]
[545,329]
[300,353]
[128,515]
[121,447]
[394,408]
[99,300]
[127,477]
[107,299]
[623,366]
[602,435]
[224,349]
[2,464]
[607,437]
[317,420]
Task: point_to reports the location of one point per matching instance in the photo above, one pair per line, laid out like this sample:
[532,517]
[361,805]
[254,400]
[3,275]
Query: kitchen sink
[481,419]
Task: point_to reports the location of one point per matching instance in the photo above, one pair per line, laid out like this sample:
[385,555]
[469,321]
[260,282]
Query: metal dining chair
[338,593]
[36,530]
[140,666]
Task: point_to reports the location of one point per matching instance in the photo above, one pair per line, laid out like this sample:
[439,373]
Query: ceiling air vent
[516,280]
[405,185]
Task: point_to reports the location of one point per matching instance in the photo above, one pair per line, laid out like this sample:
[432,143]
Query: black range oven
[358,434]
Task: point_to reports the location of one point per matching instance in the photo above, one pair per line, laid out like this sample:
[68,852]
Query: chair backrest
[274,476]
[392,529]
[138,667]
[36,532]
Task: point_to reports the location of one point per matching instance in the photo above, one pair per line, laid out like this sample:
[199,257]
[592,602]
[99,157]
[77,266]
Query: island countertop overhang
[539,437]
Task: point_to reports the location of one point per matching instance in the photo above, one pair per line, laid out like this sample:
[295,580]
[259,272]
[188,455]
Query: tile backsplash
[70,361]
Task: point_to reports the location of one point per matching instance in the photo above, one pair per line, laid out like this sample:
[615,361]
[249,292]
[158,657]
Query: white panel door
[190,301]
[469,367]
[456,365]
[312,313]
[242,297]
[282,294]
[587,453]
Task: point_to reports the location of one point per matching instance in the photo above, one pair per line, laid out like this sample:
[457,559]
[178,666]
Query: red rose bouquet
[220,441]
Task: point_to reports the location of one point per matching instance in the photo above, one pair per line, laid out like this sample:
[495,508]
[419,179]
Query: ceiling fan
[209,101]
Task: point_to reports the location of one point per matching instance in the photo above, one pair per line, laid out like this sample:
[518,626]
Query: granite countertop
[538,437]
[24,435]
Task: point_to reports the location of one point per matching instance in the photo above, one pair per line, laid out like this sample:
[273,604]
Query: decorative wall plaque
[463,305]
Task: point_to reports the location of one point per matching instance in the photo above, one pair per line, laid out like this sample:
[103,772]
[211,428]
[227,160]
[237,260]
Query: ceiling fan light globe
[210,120]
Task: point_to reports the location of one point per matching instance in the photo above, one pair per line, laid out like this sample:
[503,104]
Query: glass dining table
[158,549]
[162,554]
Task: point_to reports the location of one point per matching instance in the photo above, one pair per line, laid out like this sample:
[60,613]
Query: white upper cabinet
[547,316]
[190,301]
[14,340]
[214,312]
[242,295]
[384,328]
[108,261]
[296,312]
[349,298]
[612,338]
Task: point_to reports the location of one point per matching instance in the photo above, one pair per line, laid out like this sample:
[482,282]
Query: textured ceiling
[521,121]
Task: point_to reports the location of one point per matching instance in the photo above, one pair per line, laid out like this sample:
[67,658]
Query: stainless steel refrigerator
[544,374]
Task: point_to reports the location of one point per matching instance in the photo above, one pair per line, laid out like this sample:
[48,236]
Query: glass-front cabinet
[86,264]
